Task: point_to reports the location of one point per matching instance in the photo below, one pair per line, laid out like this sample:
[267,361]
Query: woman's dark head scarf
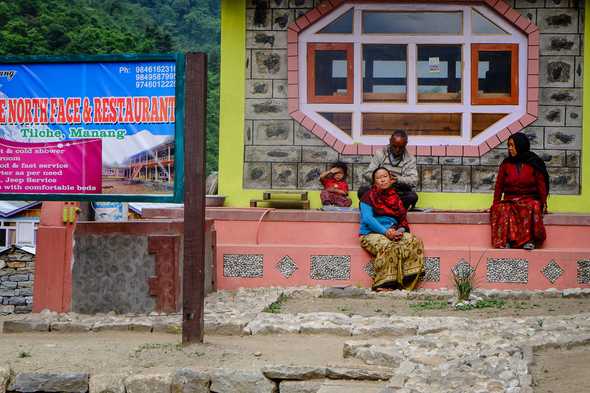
[526,156]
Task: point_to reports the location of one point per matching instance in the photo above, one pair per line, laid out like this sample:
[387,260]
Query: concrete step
[351,387]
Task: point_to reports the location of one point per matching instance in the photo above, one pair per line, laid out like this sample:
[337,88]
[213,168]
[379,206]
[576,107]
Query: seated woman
[385,234]
[517,219]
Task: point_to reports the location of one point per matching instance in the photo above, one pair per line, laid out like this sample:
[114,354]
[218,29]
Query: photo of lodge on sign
[97,128]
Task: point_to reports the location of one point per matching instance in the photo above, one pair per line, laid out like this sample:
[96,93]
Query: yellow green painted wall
[231,129]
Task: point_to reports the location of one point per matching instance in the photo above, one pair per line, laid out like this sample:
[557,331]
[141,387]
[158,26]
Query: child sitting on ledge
[335,190]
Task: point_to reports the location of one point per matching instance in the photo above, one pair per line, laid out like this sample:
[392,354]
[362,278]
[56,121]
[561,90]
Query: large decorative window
[448,74]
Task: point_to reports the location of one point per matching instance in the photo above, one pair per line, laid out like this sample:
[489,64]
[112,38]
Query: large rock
[25,326]
[4,377]
[294,372]
[50,382]
[151,383]
[70,327]
[107,383]
[312,386]
[361,374]
[187,380]
[239,381]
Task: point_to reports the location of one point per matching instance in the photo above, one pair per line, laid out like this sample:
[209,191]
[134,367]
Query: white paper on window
[339,68]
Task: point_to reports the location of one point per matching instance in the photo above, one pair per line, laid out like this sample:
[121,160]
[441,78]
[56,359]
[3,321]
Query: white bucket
[110,211]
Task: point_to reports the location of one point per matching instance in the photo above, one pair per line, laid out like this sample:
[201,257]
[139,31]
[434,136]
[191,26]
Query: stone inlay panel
[511,270]
[552,271]
[431,269]
[369,268]
[583,272]
[243,265]
[462,269]
[330,267]
[286,266]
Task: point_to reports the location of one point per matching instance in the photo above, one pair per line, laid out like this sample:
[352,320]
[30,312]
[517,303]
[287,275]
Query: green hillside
[60,27]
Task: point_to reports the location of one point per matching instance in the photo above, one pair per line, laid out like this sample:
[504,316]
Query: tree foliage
[67,27]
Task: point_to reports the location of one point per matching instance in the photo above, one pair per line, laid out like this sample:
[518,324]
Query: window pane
[412,22]
[2,237]
[384,72]
[330,72]
[482,25]
[342,24]
[493,73]
[481,121]
[425,124]
[439,73]
[341,120]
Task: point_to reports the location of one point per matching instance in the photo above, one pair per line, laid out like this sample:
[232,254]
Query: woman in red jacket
[517,218]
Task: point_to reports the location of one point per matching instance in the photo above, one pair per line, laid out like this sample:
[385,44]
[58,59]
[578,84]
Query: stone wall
[281,154]
[17,271]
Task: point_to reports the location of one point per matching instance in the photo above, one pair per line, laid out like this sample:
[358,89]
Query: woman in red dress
[517,218]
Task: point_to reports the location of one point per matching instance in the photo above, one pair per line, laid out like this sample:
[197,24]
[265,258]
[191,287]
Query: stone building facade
[280,153]
[17,271]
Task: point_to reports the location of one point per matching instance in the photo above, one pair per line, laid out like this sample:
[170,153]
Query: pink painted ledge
[152,215]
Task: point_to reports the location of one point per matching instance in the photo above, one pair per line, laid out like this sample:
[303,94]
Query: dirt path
[562,371]
[432,308]
[126,352]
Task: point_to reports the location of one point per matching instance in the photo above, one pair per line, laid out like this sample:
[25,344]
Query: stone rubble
[402,354]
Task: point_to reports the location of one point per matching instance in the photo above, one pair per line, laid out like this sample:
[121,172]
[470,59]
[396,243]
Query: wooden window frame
[512,99]
[343,99]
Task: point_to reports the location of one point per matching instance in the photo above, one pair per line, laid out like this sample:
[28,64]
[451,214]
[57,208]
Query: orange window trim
[508,100]
[311,94]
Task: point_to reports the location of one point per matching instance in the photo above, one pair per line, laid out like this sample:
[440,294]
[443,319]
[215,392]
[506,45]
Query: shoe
[529,246]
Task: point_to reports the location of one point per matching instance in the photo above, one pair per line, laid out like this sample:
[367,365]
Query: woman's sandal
[529,246]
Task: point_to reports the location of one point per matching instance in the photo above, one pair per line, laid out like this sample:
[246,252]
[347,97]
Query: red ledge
[515,127]
[470,151]
[491,3]
[412,150]
[293,91]
[293,26]
[313,15]
[292,37]
[336,3]
[292,63]
[299,116]
[365,150]
[329,139]
[512,15]
[533,81]
[504,134]
[292,105]
[493,141]
[350,149]
[339,146]
[483,149]
[423,150]
[532,27]
[454,151]
[474,218]
[533,67]
[527,119]
[302,22]
[501,7]
[292,49]
[523,22]
[532,107]
[535,38]
[324,7]
[533,94]
[439,151]
[308,123]
[376,148]
[319,132]
[533,52]
[293,77]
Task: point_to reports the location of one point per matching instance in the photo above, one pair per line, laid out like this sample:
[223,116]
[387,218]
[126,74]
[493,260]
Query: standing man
[402,166]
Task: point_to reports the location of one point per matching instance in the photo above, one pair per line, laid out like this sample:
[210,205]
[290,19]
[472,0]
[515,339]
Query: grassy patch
[24,354]
[275,307]
[429,305]
[492,303]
